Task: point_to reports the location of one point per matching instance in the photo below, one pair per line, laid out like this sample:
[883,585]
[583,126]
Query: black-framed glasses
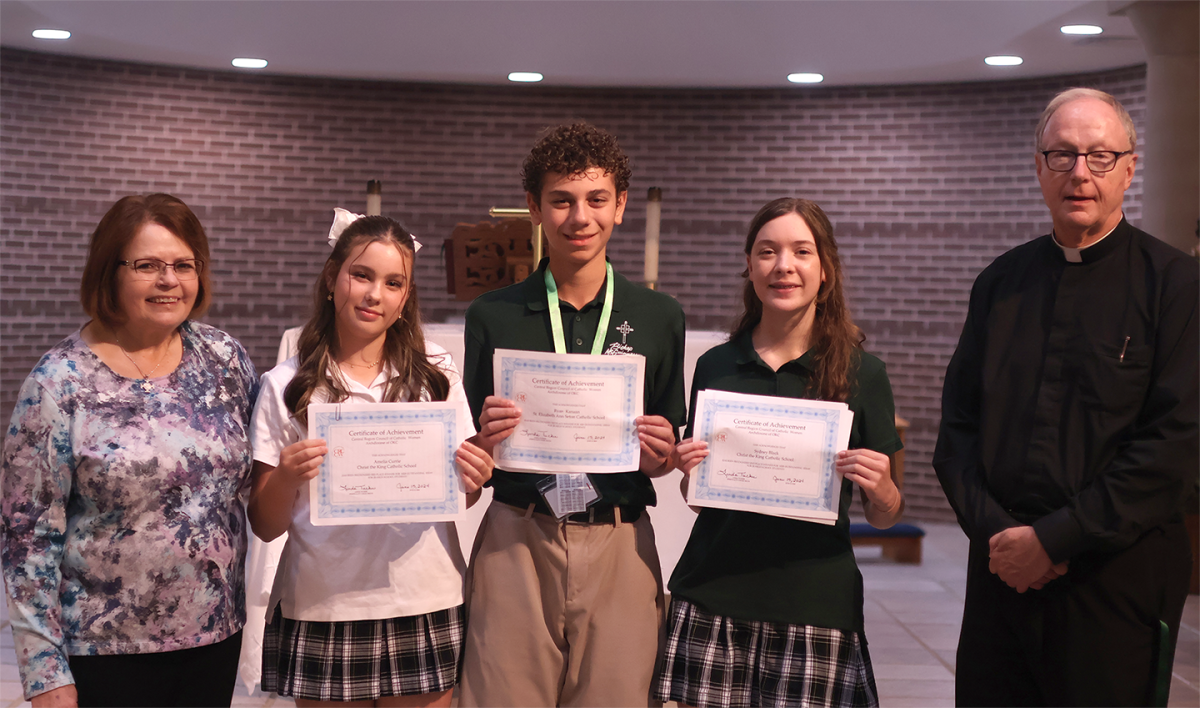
[153,269]
[1097,161]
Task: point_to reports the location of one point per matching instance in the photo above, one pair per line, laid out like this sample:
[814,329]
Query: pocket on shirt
[1112,382]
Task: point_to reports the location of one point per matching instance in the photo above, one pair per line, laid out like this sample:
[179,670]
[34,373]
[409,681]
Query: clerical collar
[1075,255]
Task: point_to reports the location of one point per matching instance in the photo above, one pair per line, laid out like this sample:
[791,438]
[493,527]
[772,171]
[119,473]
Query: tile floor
[912,613]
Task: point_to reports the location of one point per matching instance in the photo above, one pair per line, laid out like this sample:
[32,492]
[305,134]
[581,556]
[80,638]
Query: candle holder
[653,225]
[374,198]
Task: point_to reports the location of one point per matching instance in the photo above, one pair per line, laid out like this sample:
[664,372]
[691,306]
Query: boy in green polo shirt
[568,611]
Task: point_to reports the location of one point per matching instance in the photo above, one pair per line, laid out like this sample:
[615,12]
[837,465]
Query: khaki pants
[561,614]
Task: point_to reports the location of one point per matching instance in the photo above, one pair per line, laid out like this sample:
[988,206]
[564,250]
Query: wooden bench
[902,542]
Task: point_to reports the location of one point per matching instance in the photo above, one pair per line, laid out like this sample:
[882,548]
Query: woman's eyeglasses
[153,269]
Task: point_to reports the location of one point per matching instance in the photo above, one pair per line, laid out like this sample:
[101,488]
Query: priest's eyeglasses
[1098,161]
[153,269]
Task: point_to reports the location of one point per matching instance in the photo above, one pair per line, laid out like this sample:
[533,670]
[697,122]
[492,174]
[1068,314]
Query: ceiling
[626,43]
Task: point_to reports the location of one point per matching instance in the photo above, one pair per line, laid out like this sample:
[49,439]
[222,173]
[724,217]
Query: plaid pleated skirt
[362,659]
[713,661]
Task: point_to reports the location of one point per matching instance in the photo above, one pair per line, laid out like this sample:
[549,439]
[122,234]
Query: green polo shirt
[642,322]
[751,566]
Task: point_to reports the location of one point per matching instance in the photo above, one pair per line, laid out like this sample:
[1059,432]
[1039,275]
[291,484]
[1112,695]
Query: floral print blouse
[124,527]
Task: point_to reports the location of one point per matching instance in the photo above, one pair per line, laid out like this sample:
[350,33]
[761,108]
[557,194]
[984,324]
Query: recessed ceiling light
[1081,29]
[51,34]
[806,78]
[247,63]
[1002,60]
[525,77]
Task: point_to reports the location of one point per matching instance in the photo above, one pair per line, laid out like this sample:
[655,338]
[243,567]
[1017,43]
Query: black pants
[202,677]
[1089,638]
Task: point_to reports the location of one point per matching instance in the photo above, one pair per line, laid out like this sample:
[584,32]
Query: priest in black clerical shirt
[1068,441]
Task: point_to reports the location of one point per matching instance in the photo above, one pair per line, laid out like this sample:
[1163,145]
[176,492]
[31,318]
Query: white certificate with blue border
[387,462]
[770,454]
[577,411]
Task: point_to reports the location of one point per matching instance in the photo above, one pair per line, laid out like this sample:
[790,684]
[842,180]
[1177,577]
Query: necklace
[145,375]
[371,365]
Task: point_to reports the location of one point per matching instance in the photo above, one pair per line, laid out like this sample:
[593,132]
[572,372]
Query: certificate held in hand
[577,411]
[387,462]
[770,455]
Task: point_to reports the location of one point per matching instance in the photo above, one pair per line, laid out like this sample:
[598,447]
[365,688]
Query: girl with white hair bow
[367,613]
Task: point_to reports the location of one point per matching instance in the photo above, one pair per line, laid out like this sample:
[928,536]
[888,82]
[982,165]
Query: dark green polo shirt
[642,322]
[751,566]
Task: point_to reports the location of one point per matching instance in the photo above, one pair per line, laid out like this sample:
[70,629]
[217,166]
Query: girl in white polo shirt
[367,613]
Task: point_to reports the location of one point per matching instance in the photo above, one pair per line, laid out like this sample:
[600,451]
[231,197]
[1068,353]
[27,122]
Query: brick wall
[925,186]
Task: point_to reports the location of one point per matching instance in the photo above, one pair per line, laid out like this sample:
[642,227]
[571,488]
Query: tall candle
[374,198]
[653,224]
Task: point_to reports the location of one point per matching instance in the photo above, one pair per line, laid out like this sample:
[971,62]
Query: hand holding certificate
[577,411]
[387,462]
[770,455]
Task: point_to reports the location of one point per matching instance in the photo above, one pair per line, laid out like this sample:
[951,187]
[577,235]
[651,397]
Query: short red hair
[98,287]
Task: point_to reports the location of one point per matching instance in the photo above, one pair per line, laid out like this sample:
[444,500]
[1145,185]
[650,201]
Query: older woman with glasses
[123,474]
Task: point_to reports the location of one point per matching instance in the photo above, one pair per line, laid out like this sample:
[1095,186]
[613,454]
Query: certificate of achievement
[770,455]
[577,411]
[387,462]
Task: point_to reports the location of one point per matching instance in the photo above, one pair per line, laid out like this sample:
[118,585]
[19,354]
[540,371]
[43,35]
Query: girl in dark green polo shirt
[767,611]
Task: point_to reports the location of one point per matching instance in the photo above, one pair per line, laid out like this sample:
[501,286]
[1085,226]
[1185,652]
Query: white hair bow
[343,218]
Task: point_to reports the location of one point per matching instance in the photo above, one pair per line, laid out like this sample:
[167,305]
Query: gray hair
[1074,94]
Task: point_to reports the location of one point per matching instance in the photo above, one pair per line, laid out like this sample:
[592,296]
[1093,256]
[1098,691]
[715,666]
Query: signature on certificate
[589,438]
[541,435]
[737,475]
[412,486]
[357,489]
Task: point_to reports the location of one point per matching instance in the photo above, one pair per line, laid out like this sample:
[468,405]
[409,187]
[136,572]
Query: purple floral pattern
[124,527]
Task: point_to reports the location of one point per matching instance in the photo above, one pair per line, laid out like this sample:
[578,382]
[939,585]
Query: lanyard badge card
[567,494]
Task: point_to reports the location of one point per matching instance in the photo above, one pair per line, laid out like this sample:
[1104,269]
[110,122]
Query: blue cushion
[897,531]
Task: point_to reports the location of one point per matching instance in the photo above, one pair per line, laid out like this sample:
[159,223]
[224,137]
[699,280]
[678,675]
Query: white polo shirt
[343,573]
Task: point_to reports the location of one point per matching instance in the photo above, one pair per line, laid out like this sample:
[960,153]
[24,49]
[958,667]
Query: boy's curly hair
[571,149]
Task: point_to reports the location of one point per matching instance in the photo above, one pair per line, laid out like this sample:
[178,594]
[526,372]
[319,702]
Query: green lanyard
[560,343]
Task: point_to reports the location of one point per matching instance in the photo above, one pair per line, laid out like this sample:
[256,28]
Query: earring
[329,296]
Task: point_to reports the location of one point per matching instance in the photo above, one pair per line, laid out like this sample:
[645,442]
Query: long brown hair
[835,338]
[404,344]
